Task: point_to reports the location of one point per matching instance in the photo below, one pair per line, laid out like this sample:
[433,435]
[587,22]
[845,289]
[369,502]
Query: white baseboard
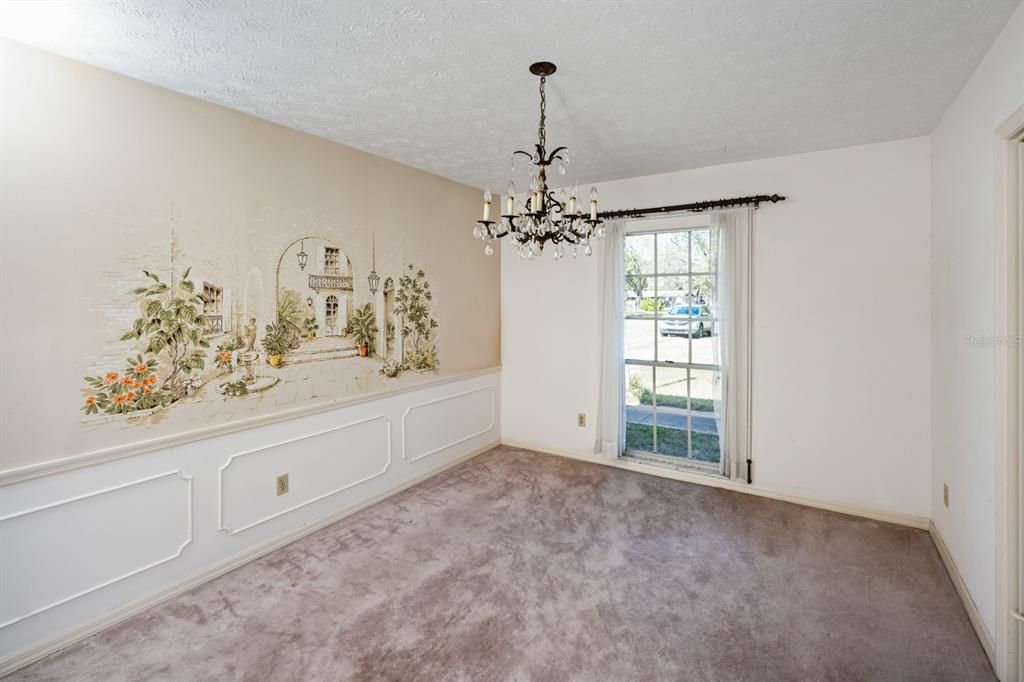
[65,639]
[713,481]
[987,641]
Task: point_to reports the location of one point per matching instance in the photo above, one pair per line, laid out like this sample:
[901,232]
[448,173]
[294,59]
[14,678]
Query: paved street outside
[671,417]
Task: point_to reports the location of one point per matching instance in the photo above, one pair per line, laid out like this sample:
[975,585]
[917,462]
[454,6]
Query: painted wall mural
[191,335]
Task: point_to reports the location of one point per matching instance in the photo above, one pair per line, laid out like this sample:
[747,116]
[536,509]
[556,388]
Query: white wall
[842,369]
[963,259]
[82,544]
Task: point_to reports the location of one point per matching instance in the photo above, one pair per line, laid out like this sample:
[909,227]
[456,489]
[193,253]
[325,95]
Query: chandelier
[541,216]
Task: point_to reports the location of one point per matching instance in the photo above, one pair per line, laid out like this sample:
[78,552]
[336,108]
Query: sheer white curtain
[610,424]
[735,326]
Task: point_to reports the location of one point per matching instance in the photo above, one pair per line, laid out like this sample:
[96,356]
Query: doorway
[331,316]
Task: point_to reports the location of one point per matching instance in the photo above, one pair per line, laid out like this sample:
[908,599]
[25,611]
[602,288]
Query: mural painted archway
[310,270]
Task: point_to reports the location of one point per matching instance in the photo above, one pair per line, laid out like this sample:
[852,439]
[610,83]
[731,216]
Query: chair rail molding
[97,493]
[411,408]
[224,527]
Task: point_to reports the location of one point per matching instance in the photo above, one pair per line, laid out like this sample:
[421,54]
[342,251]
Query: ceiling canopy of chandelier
[542,216]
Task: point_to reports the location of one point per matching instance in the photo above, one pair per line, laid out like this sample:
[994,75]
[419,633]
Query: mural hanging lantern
[309,301]
[374,278]
[302,256]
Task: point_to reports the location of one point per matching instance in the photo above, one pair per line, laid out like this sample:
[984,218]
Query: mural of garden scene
[189,341]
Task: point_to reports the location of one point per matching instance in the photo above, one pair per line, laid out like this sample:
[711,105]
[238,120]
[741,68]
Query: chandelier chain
[541,133]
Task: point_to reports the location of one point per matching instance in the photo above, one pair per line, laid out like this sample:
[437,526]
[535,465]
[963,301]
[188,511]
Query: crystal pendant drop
[588,250]
[561,168]
[574,254]
[477,232]
[488,250]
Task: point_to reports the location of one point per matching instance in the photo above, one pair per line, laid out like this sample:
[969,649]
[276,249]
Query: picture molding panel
[189,530]
[222,472]
[409,410]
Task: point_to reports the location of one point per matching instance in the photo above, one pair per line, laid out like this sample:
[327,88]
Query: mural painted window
[213,308]
[332,260]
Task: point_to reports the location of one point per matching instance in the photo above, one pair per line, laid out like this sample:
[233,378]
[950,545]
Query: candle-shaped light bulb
[593,203]
[510,202]
[487,204]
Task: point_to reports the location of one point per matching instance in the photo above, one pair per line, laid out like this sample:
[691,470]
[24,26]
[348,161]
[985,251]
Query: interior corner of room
[333,344]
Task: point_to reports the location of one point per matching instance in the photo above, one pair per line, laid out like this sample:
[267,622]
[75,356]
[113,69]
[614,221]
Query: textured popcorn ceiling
[641,87]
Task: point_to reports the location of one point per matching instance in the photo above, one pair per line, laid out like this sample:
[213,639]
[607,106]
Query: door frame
[1009,397]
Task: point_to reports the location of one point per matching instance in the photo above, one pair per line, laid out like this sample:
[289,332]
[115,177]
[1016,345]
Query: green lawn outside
[666,400]
[672,442]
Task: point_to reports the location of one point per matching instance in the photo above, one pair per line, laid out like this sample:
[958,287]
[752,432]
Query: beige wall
[103,176]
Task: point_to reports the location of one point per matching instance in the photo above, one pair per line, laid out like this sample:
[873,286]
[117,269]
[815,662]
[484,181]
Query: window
[213,299]
[672,354]
[213,308]
[332,260]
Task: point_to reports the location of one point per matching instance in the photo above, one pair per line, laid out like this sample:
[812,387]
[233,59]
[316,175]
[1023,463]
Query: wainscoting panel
[435,425]
[65,549]
[90,543]
[318,465]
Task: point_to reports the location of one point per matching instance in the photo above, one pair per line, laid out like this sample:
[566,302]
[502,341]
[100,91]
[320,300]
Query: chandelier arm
[555,155]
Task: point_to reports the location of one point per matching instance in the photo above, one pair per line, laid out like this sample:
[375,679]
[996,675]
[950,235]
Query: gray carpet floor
[522,566]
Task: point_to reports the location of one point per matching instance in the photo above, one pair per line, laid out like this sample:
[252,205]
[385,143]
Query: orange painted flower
[150,380]
[122,398]
[141,368]
[131,395]
[91,400]
[224,356]
[127,382]
[148,391]
[111,378]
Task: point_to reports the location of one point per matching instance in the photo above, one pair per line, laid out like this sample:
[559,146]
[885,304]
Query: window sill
[674,463]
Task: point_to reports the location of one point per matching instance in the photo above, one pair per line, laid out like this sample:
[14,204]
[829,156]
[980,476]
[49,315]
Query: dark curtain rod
[695,207]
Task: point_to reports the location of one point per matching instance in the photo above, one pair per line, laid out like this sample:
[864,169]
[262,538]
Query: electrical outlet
[945,494]
[581,419]
[282,484]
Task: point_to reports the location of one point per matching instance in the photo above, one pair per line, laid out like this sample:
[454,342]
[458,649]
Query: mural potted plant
[364,328]
[310,326]
[275,342]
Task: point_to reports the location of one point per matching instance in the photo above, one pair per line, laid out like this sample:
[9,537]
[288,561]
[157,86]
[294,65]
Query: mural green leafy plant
[412,302]
[275,339]
[390,368]
[173,325]
[364,325]
[234,388]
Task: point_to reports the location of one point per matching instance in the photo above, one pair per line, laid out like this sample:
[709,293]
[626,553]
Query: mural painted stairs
[322,349]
